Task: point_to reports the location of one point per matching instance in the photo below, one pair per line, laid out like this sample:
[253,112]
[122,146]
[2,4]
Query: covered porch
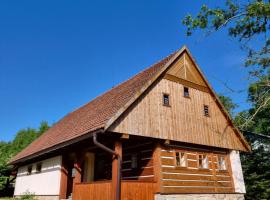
[90,172]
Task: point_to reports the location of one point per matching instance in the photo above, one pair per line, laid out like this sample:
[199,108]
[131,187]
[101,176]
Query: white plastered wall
[47,182]
[237,172]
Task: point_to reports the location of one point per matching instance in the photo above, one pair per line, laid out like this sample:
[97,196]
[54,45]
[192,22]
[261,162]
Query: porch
[130,189]
[91,173]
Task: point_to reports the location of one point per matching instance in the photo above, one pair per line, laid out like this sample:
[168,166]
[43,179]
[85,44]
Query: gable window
[203,161]
[186,92]
[206,110]
[221,163]
[166,100]
[38,168]
[181,159]
[29,169]
[134,161]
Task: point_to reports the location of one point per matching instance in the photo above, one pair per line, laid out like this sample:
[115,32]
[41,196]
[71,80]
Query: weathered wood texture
[192,179]
[144,151]
[183,120]
[135,190]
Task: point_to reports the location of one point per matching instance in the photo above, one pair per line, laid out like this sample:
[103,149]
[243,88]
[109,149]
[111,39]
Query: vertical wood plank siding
[191,179]
[135,190]
[93,191]
[183,120]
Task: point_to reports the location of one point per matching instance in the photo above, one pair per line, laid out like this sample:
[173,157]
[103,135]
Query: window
[166,100]
[29,170]
[134,161]
[186,92]
[203,161]
[206,110]
[221,163]
[181,159]
[38,168]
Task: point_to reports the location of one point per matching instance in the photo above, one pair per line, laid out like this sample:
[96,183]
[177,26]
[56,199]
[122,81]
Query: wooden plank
[187,177]
[185,170]
[188,183]
[195,190]
[157,168]
[100,191]
[138,190]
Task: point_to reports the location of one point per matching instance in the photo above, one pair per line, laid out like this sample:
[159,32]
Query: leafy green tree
[8,149]
[228,103]
[256,165]
[248,21]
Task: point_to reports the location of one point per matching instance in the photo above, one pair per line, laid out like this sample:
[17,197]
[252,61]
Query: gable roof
[103,111]
[93,115]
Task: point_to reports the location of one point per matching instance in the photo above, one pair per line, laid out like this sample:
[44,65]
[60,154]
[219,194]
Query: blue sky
[57,55]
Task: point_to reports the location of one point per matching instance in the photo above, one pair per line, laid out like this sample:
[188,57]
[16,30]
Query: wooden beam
[157,168]
[118,150]
[64,180]
[186,83]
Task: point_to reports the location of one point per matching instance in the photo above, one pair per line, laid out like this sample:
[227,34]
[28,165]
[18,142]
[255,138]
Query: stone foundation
[199,197]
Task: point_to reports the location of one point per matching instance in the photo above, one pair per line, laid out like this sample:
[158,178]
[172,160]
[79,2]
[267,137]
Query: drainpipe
[119,159]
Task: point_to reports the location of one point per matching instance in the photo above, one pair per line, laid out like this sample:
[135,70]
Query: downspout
[119,159]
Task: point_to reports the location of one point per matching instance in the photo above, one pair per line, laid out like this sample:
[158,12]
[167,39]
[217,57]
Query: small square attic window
[186,92]
[166,100]
[206,110]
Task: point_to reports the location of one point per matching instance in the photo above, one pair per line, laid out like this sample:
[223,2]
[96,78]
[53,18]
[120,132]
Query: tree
[9,149]
[247,22]
[256,165]
[228,104]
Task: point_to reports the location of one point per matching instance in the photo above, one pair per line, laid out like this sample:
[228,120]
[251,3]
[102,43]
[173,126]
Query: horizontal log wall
[145,171]
[192,179]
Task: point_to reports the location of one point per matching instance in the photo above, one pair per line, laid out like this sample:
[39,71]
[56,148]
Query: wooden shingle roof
[92,116]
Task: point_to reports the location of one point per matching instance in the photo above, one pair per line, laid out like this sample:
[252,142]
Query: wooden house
[163,134]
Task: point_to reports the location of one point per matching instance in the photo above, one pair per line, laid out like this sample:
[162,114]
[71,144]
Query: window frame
[184,157]
[206,108]
[163,100]
[29,169]
[37,168]
[201,166]
[186,92]
[224,164]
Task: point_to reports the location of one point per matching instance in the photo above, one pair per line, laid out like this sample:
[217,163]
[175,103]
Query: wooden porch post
[64,180]
[157,168]
[118,150]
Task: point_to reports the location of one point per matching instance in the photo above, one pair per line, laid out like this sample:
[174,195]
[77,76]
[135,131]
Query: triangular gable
[181,63]
[185,69]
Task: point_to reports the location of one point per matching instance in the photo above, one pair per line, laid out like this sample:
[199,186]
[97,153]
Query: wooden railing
[130,190]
